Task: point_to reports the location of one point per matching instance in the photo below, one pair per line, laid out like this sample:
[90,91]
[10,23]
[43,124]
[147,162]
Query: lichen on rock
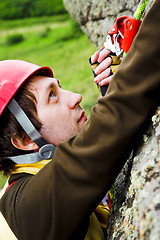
[136,205]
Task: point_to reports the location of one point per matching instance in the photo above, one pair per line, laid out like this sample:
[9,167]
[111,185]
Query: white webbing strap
[5,231]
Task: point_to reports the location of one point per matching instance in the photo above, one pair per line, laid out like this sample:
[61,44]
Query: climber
[36,116]
[55,183]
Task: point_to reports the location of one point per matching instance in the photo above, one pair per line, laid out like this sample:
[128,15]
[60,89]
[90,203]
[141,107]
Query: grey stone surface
[96,17]
[136,207]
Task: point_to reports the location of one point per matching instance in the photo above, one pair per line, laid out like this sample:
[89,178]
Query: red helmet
[13,73]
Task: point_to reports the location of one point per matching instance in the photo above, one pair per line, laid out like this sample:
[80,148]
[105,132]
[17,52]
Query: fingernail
[95,80]
[99,60]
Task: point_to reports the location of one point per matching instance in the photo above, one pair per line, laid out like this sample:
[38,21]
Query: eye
[51,95]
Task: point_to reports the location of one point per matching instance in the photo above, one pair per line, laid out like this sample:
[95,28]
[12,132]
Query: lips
[83,117]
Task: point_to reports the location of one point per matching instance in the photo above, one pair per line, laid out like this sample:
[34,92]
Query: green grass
[58,43]
[2,180]
[14,24]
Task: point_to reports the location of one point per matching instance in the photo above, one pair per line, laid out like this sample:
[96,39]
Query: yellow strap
[94,231]
[102,213]
[32,168]
[98,221]
[116,60]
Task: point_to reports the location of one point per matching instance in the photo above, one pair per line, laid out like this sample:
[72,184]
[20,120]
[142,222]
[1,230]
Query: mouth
[83,117]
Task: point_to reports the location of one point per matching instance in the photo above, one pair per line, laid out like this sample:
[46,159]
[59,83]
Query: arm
[103,146]
[84,167]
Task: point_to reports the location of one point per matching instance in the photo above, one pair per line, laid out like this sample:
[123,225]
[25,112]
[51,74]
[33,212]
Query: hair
[9,126]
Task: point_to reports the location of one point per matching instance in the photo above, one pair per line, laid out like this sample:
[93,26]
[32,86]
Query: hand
[105,65]
[101,67]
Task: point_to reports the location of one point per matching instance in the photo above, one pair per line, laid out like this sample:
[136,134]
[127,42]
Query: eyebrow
[52,85]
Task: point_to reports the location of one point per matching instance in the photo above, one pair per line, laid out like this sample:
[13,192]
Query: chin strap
[46,150]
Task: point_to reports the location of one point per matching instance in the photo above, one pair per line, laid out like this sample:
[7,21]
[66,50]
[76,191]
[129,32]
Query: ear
[24,143]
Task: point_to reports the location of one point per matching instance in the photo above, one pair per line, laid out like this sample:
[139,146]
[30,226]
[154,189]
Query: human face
[58,110]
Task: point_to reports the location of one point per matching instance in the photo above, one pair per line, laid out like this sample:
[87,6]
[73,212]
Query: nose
[72,99]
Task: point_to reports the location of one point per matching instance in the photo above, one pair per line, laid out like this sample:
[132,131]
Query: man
[57,201]
[55,112]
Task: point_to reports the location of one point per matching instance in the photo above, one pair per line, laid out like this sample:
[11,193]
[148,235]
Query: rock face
[136,206]
[96,17]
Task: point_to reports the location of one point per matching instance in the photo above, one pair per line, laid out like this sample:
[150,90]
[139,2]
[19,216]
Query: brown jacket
[57,202]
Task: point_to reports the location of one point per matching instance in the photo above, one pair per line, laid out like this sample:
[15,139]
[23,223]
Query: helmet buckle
[47,151]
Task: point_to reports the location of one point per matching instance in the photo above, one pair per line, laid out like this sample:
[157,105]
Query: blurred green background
[42,32]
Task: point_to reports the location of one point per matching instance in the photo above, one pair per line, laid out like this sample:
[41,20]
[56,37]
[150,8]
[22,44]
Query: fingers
[104,77]
[100,65]
[94,57]
[100,56]
[103,65]
[105,81]
[103,54]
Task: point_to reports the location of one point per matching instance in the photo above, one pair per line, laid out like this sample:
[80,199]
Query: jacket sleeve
[84,167]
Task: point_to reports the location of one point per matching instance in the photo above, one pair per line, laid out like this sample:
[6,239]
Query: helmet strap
[46,150]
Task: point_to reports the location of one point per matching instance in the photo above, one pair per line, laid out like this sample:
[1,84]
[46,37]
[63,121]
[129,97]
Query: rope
[140,9]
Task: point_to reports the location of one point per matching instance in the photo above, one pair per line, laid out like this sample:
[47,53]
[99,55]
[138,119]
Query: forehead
[41,83]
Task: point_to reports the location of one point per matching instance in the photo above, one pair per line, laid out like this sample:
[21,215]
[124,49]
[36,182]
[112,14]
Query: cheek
[58,133]
[59,129]
[58,125]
